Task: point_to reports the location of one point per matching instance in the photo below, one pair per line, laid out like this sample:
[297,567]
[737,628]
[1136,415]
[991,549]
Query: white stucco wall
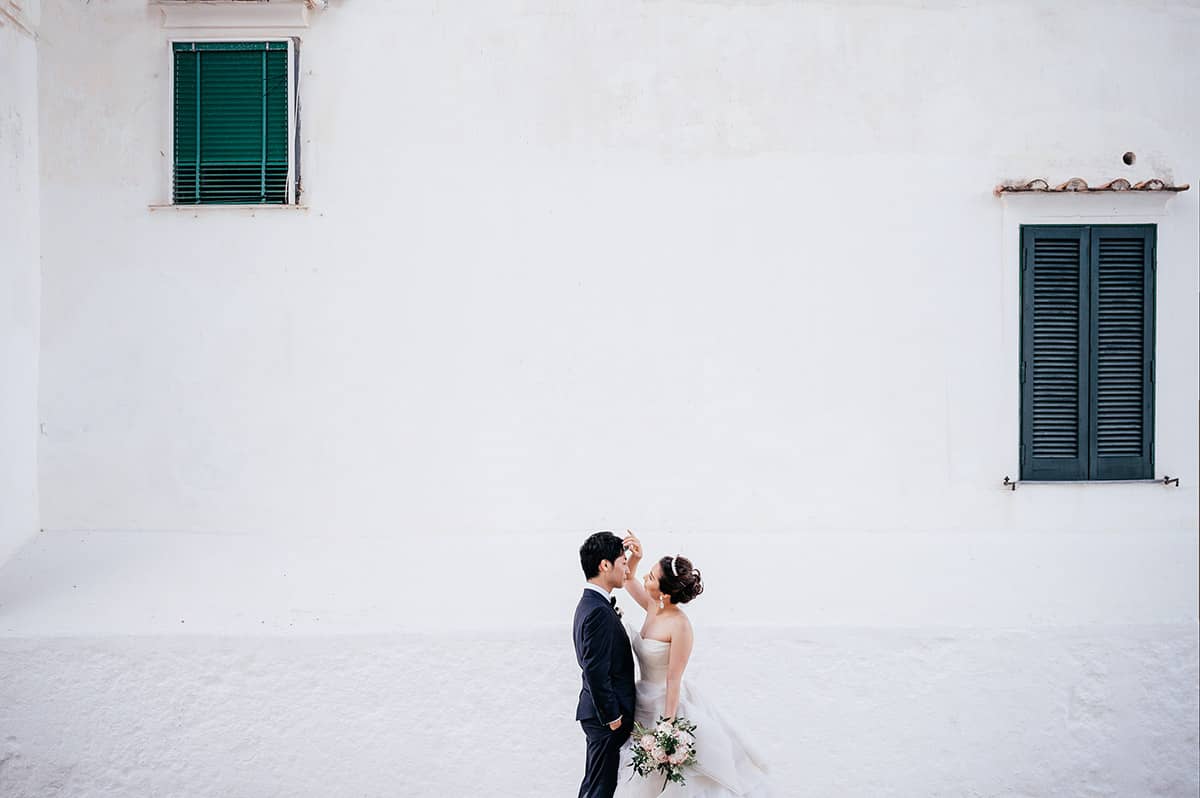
[729,273]
[723,267]
[19,275]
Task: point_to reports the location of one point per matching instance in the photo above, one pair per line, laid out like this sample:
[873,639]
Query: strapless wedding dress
[725,766]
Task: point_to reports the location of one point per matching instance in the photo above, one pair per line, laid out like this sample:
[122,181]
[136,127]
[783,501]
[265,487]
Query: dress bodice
[652,656]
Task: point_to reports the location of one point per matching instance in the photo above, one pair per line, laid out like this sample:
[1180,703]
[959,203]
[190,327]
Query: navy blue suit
[602,650]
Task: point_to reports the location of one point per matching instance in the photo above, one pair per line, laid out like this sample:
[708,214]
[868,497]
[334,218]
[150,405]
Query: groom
[602,649]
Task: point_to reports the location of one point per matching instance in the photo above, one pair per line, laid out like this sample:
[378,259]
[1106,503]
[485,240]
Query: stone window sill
[199,209]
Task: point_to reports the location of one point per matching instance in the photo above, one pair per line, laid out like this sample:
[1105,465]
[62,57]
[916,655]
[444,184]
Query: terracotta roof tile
[1080,185]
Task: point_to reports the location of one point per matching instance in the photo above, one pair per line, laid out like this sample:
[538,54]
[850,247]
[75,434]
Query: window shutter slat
[1122,344]
[1054,324]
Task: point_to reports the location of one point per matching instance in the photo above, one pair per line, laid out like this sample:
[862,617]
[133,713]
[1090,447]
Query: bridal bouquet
[666,747]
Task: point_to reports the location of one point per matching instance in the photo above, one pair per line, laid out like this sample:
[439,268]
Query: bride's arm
[633,585]
[681,652]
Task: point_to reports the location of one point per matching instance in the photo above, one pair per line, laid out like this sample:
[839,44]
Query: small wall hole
[1129,158]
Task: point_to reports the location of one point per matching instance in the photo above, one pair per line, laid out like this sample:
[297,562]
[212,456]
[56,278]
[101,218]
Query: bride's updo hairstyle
[679,580]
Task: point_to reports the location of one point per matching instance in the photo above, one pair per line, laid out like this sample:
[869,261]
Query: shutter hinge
[1022,454]
[1022,372]
[1024,252]
[1151,371]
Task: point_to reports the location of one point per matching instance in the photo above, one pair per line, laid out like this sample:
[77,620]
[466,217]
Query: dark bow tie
[613,602]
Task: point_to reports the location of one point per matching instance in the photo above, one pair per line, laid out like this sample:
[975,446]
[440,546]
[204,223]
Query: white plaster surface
[175,664]
[729,273]
[1105,711]
[19,277]
[703,266]
[72,584]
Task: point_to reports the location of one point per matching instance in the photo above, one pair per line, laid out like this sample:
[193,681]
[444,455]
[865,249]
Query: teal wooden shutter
[1087,352]
[1054,365]
[1122,352]
[231,125]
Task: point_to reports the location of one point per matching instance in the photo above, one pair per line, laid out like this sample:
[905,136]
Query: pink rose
[678,757]
[659,755]
[647,742]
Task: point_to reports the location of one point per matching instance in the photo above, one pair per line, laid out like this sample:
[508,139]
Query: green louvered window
[1087,352]
[231,123]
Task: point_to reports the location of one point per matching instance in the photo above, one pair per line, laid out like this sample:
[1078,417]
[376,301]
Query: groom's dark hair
[600,546]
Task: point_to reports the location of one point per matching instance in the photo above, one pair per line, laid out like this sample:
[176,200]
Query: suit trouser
[603,757]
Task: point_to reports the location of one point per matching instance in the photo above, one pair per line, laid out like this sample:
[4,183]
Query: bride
[725,764]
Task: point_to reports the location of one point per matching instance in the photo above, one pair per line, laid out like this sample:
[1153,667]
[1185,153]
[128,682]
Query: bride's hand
[632,583]
[635,551]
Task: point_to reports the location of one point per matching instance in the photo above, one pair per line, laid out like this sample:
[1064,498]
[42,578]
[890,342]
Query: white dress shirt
[589,586]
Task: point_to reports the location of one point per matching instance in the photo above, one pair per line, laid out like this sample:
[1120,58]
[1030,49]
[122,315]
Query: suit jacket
[603,653]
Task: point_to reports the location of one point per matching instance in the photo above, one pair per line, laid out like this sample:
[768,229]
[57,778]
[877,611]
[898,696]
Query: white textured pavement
[139,665]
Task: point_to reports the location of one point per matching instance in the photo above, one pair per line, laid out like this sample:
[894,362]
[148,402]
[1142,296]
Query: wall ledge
[239,14]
